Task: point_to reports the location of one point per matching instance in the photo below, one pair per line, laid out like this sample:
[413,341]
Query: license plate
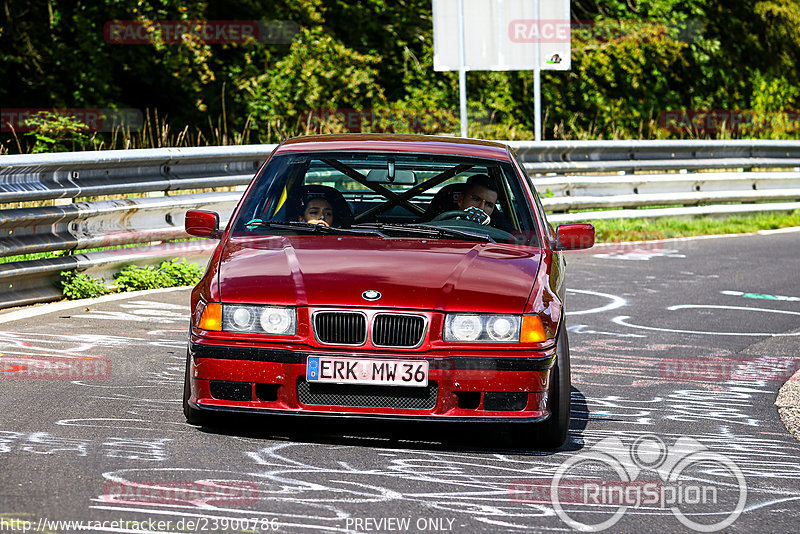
[361,371]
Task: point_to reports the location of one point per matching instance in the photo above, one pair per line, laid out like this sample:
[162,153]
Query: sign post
[462,69]
[501,35]
[537,79]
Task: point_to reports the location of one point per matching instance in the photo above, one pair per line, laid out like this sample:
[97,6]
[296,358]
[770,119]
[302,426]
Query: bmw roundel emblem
[371,294]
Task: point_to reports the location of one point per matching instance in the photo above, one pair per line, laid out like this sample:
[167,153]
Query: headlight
[242,318]
[463,328]
[277,321]
[466,328]
[482,328]
[503,328]
[259,319]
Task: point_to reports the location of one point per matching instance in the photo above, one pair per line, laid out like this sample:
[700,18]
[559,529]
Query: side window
[548,228]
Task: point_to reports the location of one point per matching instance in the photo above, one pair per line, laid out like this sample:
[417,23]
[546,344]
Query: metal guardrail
[607,175]
[122,172]
[33,281]
[69,225]
[602,175]
[649,156]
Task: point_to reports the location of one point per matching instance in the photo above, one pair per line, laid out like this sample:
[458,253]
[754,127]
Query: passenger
[316,209]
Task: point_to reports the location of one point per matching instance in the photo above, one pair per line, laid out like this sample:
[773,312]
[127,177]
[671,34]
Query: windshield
[388,195]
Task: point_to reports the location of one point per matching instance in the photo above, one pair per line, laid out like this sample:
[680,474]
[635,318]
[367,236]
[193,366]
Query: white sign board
[502,35]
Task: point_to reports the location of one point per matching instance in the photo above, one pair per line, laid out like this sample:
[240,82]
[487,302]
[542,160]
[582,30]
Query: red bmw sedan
[386,276]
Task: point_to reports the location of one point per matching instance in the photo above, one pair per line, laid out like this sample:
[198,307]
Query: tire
[193,415]
[552,433]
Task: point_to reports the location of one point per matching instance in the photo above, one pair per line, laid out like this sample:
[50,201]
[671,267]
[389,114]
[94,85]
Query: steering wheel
[495,233]
[454,214]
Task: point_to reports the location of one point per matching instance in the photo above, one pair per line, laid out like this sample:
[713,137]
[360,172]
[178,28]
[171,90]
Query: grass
[156,131]
[30,257]
[667,227]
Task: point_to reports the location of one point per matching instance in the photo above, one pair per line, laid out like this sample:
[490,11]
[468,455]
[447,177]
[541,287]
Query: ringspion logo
[593,490]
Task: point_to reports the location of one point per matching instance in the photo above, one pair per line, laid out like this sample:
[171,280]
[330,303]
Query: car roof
[397,143]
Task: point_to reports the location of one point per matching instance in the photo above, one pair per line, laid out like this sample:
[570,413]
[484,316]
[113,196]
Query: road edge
[788,403]
[35,310]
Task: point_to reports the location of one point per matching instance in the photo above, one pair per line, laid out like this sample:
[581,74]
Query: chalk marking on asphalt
[717,307]
[114,423]
[639,255]
[586,329]
[760,296]
[616,302]
[622,321]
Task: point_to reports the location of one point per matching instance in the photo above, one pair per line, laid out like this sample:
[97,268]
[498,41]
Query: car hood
[409,273]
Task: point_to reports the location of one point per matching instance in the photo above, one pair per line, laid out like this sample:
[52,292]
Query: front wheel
[552,433]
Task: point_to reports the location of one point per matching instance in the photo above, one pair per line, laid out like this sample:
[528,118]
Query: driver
[476,198]
[480,192]
[316,209]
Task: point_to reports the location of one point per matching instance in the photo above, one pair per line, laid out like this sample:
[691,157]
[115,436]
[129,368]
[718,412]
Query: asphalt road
[678,351]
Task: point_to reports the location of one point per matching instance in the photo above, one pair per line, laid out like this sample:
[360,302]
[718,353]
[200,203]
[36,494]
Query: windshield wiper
[372,229]
[310,228]
[452,232]
[424,230]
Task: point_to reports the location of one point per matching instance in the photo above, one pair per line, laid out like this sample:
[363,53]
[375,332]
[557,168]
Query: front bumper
[491,387]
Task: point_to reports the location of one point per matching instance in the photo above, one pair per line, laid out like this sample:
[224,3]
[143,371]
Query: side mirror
[202,224]
[575,236]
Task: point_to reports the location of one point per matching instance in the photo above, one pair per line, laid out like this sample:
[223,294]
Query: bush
[135,278]
[169,274]
[82,286]
[174,273]
[182,273]
[54,132]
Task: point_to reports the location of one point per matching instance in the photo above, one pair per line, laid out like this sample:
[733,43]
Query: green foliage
[174,273]
[169,274]
[319,73]
[54,132]
[82,286]
[181,273]
[136,278]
